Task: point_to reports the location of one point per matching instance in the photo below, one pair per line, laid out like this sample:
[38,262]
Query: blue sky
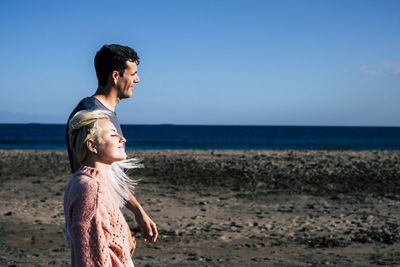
[208,62]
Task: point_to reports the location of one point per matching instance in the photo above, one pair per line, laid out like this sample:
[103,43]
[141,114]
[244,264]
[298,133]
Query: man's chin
[126,96]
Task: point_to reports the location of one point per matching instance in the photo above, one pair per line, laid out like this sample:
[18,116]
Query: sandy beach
[221,208]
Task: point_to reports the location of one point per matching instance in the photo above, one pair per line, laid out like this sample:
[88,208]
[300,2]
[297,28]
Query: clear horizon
[233,125]
[266,63]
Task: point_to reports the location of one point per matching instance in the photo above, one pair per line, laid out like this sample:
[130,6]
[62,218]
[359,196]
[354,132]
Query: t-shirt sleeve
[88,239]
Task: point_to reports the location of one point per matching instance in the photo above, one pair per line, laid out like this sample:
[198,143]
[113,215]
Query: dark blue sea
[159,137]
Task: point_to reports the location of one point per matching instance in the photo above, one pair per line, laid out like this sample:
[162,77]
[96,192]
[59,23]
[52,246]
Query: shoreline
[222,208]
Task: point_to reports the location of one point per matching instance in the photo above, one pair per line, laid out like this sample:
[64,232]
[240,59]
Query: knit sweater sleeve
[88,234]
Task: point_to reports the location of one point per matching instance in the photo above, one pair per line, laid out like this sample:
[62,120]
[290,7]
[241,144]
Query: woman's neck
[103,168]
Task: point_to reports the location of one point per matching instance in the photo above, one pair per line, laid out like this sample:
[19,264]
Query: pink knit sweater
[99,233]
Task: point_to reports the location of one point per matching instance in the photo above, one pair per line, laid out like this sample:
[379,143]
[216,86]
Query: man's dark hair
[113,57]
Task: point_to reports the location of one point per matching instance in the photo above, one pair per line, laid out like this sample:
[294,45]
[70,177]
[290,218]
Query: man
[116,70]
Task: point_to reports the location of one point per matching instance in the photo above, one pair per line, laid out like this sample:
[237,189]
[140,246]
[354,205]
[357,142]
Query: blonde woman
[98,231]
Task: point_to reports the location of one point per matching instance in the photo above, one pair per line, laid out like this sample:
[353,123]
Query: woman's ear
[91,146]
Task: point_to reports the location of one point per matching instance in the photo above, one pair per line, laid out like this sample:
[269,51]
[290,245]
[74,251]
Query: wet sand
[222,208]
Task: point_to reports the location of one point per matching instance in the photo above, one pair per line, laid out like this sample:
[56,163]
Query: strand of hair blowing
[120,182]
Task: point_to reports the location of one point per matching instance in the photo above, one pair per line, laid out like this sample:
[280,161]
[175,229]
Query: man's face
[126,83]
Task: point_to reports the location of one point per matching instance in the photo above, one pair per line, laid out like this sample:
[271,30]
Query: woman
[98,231]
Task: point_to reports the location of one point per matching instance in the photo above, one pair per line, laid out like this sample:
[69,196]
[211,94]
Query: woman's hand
[147,227]
[132,243]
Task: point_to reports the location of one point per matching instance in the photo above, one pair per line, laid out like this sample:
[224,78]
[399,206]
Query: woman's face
[110,145]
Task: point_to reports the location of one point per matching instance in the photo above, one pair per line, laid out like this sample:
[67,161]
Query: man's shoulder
[87,103]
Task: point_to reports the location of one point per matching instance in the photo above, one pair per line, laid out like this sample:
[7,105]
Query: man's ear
[91,146]
[115,76]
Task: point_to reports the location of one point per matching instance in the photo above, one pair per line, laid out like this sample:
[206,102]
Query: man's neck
[108,98]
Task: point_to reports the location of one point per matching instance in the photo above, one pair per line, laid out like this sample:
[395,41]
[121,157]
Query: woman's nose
[122,139]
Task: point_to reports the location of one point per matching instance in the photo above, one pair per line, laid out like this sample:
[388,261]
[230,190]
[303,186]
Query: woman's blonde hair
[84,126]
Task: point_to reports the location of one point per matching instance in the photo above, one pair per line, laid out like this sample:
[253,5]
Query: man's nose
[137,79]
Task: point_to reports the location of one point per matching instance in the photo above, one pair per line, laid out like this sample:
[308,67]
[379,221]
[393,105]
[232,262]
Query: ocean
[161,137]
